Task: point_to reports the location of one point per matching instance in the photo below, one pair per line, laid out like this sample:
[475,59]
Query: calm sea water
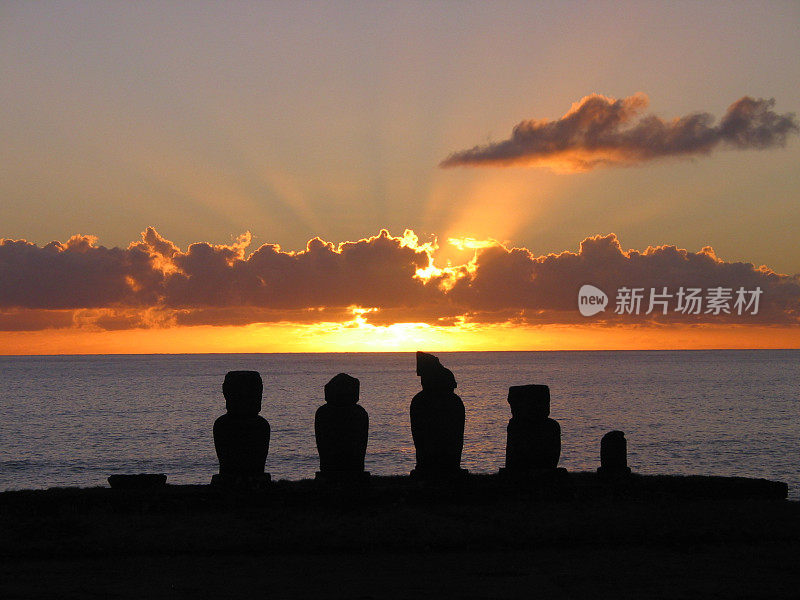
[74,420]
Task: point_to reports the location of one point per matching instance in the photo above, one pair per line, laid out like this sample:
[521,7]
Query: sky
[511,151]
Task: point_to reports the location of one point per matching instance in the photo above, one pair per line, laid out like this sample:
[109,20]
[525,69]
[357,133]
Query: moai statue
[341,428]
[534,440]
[437,421]
[614,455]
[241,436]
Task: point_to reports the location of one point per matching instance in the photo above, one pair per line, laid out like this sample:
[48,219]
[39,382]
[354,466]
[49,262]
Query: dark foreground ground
[652,537]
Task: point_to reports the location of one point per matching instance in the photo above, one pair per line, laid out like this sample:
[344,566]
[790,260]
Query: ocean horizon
[73,420]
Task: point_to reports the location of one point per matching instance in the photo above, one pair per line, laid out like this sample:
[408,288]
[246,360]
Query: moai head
[439,380]
[426,363]
[435,377]
[242,391]
[614,450]
[615,439]
[529,401]
[342,390]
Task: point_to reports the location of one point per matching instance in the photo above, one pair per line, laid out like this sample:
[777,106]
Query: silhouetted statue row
[341,428]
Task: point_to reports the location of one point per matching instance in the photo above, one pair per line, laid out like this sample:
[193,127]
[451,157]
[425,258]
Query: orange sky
[396,338]
[333,121]
[300,119]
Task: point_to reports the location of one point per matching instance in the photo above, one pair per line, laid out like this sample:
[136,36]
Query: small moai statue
[437,421]
[534,440]
[341,428]
[241,435]
[614,455]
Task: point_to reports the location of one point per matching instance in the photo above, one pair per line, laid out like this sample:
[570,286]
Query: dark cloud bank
[601,131]
[153,283]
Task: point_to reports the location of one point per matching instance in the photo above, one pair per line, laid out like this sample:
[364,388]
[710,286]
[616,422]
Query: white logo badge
[591,300]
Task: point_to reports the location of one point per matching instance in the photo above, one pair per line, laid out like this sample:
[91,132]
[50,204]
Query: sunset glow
[440,182]
[381,293]
[401,337]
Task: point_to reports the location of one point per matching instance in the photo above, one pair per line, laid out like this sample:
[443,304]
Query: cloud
[601,131]
[154,284]
[75,274]
[376,271]
[35,320]
[207,283]
[543,289]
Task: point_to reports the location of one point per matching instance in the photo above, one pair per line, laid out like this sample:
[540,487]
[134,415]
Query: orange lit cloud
[601,131]
[379,281]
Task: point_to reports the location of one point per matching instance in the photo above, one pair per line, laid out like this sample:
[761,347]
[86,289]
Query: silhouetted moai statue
[341,428]
[437,421]
[241,436]
[614,455]
[534,440]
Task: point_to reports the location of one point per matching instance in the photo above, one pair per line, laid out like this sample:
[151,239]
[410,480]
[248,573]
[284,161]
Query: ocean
[75,420]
